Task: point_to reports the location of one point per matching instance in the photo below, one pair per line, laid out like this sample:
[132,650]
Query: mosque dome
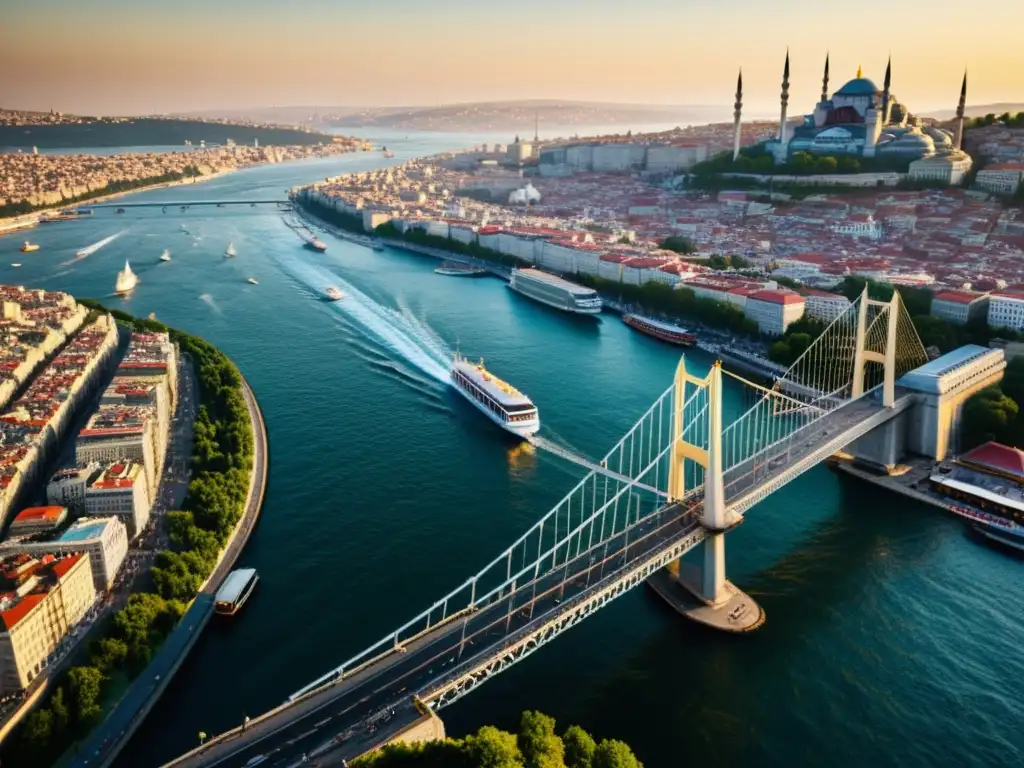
[860,86]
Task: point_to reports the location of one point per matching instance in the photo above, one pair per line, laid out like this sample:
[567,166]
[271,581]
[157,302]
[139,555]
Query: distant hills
[485,117]
[980,110]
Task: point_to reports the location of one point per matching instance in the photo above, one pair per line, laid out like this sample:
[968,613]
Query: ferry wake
[502,403]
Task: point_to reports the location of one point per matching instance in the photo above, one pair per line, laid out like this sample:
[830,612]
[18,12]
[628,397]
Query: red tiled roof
[958,297]
[39,513]
[998,457]
[778,297]
[65,564]
[10,618]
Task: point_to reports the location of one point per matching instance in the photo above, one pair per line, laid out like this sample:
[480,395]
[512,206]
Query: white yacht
[166,255]
[252,281]
[126,280]
[230,252]
[502,403]
[555,292]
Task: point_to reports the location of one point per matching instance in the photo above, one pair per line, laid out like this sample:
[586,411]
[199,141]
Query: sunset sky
[135,56]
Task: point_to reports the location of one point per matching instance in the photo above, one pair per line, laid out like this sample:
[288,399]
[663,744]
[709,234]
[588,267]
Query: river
[891,636]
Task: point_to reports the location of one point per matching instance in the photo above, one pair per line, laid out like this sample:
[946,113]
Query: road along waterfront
[386,491]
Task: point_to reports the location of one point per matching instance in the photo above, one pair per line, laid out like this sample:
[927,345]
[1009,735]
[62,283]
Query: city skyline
[119,58]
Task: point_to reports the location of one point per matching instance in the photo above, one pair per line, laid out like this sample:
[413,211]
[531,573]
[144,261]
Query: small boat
[252,281]
[29,247]
[164,209]
[455,269]
[235,591]
[230,252]
[388,153]
[120,210]
[333,294]
[16,265]
[126,280]
[165,256]
[659,329]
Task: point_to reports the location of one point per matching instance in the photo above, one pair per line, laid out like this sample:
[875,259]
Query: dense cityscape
[808,318]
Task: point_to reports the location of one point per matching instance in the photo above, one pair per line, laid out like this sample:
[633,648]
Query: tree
[579,747]
[38,732]
[537,740]
[989,415]
[491,748]
[936,332]
[85,684]
[61,715]
[780,353]
[679,244]
[108,653]
[611,753]
[1013,379]
[798,343]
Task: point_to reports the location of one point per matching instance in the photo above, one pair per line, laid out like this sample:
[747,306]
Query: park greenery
[127,641]
[678,244]
[535,745]
[113,187]
[995,413]
[1009,120]
[756,159]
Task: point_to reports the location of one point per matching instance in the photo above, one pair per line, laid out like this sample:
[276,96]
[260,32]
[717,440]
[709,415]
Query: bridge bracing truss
[679,476]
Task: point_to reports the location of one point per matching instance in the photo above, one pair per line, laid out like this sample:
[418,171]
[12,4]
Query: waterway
[891,637]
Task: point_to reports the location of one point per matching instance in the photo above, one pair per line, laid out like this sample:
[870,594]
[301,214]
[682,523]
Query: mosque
[860,120]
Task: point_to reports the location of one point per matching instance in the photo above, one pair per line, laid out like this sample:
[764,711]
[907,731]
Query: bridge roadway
[344,718]
[189,203]
[356,707]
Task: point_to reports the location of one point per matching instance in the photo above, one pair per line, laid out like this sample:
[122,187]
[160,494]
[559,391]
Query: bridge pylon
[704,594]
[872,335]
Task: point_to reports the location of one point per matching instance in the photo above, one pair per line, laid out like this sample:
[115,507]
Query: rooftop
[958,297]
[35,514]
[85,530]
[778,297]
[1000,458]
[928,377]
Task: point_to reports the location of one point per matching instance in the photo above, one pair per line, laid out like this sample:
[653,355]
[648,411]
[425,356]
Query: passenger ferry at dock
[235,591]
[457,269]
[502,403]
[659,329]
[555,292]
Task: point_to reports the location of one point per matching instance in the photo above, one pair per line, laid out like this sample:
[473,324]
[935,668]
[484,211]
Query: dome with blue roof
[860,86]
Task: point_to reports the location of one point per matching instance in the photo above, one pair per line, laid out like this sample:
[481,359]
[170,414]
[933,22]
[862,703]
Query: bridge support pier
[704,594]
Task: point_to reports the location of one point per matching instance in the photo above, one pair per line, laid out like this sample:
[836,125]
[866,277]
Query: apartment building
[103,539]
[120,490]
[959,306]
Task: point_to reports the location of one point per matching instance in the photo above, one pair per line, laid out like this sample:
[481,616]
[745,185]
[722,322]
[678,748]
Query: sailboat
[230,252]
[166,255]
[126,280]
[252,281]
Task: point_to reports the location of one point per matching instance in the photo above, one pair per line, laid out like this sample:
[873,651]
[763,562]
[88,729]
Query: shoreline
[102,748]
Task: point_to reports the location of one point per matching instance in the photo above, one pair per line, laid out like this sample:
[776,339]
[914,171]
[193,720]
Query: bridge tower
[871,336]
[704,594]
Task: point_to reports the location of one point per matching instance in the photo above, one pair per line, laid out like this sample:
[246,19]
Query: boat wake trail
[400,332]
[89,250]
[208,300]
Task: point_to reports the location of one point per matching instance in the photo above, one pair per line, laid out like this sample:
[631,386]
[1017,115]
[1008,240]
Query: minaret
[785,104]
[824,81]
[886,97]
[958,135]
[536,126]
[736,117]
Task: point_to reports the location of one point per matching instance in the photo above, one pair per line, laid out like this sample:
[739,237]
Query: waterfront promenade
[107,741]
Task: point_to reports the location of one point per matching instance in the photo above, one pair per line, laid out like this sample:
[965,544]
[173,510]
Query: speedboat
[252,281]
[29,247]
[16,265]
[333,294]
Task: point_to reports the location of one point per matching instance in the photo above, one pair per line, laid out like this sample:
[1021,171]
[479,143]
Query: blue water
[892,637]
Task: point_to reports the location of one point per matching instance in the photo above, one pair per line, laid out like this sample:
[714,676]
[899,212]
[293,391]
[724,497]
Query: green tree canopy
[990,415]
[579,747]
[614,754]
[492,748]
[537,740]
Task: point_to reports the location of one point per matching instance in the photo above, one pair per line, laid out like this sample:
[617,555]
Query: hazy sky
[139,56]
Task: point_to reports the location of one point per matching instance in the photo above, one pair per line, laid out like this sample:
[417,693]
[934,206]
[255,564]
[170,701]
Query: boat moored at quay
[659,329]
[555,291]
[235,591]
[457,269]
[502,403]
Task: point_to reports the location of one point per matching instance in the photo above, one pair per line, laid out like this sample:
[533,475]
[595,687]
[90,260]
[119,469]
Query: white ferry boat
[555,292]
[126,280]
[502,403]
[235,590]
[252,281]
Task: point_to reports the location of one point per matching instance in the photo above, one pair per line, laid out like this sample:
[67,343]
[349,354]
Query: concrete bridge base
[737,612]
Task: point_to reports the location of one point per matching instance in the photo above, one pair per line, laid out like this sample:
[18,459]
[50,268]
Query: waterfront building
[822,305]
[32,520]
[67,486]
[774,310]
[120,490]
[43,601]
[943,385]
[103,539]
[959,307]
[1006,310]
[862,120]
[122,434]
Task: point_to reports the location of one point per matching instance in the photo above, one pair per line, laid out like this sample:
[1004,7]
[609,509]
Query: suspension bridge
[678,479]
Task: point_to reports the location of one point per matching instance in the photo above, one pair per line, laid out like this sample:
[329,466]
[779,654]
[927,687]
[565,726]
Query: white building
[959,306]
[824,306]
[104,539]
[67,486]
[115,434]
[774,310]
[946,169]
[1001,178]
[859,225]
[1006,310]
[120,490]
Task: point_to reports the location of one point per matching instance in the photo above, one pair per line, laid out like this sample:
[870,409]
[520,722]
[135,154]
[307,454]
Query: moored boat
[555,292]
[659,329]
[502,403]
[455,269]
[235,590]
